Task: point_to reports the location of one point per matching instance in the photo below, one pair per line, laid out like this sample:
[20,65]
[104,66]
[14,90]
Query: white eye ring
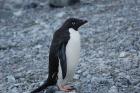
[73,23]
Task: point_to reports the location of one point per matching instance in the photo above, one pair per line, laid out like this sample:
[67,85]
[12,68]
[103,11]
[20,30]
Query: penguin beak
[83,22]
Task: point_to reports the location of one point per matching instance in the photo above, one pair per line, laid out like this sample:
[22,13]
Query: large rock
[61,3]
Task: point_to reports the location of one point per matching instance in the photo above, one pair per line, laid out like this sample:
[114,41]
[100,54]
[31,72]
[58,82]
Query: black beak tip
[85,21]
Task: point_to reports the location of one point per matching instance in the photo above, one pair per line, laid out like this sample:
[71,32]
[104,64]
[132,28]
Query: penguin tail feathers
[40,88]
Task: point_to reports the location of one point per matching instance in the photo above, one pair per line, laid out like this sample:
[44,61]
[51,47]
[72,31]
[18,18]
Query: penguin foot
[66,88]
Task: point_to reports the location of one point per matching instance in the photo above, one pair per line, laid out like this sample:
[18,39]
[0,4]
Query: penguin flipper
[63,60]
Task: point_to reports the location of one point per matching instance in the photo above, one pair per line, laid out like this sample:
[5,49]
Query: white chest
[73,49]
[72,55]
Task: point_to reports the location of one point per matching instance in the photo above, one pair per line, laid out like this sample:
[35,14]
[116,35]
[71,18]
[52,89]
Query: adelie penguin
[64,55]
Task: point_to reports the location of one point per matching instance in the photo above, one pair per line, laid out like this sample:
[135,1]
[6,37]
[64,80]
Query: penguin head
[74,23]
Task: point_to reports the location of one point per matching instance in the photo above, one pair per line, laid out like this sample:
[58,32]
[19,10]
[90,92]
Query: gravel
[110,50]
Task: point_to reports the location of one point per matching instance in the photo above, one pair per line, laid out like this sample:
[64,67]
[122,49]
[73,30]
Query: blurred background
[110,44]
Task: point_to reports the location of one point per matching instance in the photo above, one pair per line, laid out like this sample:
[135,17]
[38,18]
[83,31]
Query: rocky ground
[110,51]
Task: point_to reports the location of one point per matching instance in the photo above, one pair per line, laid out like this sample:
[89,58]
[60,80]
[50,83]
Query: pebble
[85,73]
[113,89]
[52,89]
[61,14]
[59,92]
[11,79]
[14,90]
[93,79]
[18,13]
[123,54]
[79,71]
[88,76]
[76,76]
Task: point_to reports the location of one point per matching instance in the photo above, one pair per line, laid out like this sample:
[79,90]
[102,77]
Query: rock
[79,71]
[1,87]
[61,3]
[123,82]
[61,14]
[32,5]
[88,76]
[76,76]
[85,73]
[20,69]
[11,79]
[13,90]
[17,1]
[18,13]
[5,15]
[100,85]
[93,79]
[123,54]
[100,53]
[58,92]
[52,89]
[113,89]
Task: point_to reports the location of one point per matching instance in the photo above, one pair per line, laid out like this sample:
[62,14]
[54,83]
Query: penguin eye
[73,23]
